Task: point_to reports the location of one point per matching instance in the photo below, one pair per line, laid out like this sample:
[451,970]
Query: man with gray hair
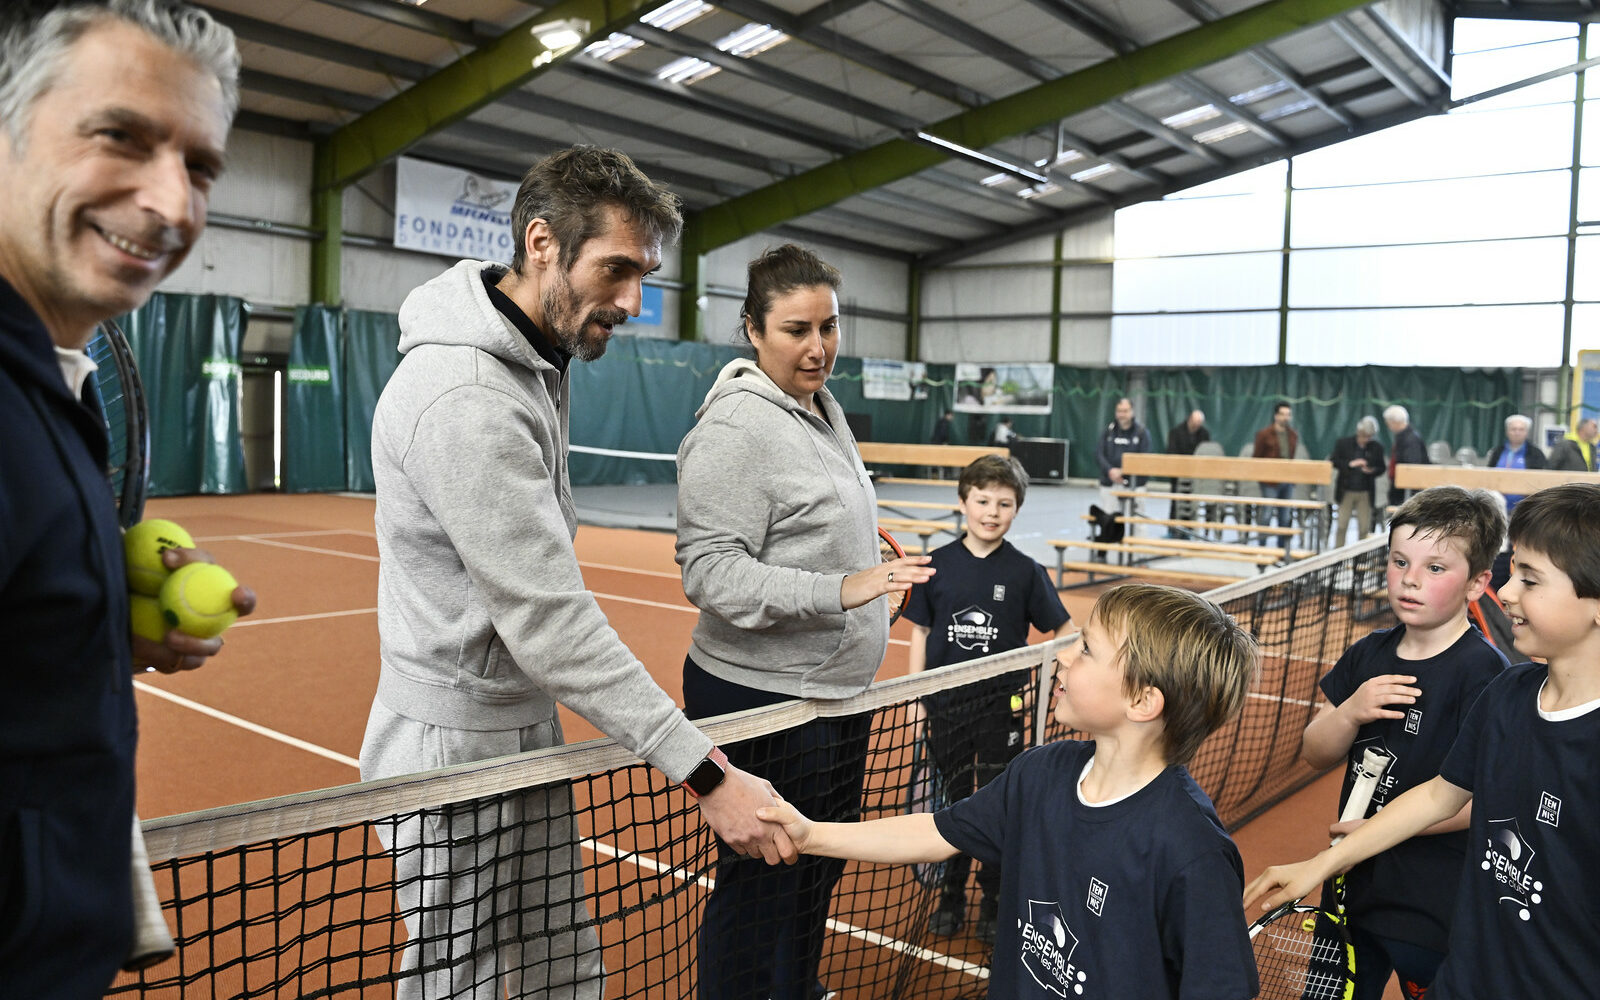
[484,618]
[1356,462]
[113,118]
[1407,449]
[1516,452]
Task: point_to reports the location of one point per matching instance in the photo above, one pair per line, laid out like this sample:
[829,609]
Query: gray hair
[1397,414]
[1367,426]
[33,50]
[1517,418]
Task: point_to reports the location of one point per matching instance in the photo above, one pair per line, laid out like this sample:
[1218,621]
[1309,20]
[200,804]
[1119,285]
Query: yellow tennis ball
[143,544]
[198,599]
[1016,703]
[144,614]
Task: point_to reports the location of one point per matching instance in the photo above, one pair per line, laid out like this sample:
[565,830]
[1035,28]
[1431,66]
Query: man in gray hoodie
[483,617]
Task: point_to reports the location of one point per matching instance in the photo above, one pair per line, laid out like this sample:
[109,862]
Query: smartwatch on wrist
[707,774]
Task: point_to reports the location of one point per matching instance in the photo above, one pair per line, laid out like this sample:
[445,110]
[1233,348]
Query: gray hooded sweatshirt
[774,510]
[483,617]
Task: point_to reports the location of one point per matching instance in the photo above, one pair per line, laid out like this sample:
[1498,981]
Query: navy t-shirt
[1527,923]
[1408,892]
[1138,898]
[976,607]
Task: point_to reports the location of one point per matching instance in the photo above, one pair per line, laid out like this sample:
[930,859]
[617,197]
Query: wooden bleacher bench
[950,510]
[922,529]
[944,456]
[1258,557]
[1178,522]
[1515,481]
[1093,569]
[1299,471]
[1219,499]
[1200,545]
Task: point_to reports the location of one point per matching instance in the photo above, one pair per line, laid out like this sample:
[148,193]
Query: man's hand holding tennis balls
[181,601]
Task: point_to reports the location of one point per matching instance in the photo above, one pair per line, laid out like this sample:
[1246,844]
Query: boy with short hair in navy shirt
[1118,875]
[1404,692]
[981,601]
[1527,760]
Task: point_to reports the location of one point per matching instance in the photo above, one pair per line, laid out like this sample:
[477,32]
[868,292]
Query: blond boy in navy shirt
[1117,871]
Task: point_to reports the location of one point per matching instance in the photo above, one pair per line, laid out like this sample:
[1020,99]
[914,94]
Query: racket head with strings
[126,413]
[889,550]
[925,794]
[1303,953]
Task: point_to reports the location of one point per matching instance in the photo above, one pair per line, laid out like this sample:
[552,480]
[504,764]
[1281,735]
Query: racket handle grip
[152,941]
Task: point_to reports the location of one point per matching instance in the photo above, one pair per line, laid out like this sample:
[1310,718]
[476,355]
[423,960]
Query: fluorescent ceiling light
[556,37]
[676,14]
[1193,116]
[612,46]
[1014,169]
[750,40]
[686,70]
[1038,191]
[1093,172]
[994,179]
[1220,133]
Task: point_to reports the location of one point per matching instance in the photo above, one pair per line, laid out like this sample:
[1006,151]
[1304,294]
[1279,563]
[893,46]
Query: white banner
[901,380]
[453,212]
[1003,388]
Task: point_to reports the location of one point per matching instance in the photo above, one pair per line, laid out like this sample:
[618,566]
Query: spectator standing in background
[1516,452]
[1408,448]
[1123,435]
[1278,440]
[1357,460]
[1183,439]
[1576,451]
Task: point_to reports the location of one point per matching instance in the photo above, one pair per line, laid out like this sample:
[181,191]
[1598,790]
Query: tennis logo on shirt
[1509,858]
[1097,896]
[1047,947]
[999,591]
[1549,810]
[1414,721]
[972,628]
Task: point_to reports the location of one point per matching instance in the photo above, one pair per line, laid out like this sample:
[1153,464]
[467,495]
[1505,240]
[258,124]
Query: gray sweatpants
[488,891]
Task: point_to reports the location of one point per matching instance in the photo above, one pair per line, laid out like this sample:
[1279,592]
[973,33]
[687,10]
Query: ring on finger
[891,576]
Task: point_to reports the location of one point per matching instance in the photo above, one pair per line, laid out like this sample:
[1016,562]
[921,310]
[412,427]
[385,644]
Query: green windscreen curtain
[188,354]
[371,354]
[1454,405]
[313,412]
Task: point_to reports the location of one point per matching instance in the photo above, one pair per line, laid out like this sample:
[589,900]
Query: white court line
[307,533]
[599,847]
[626,569]
[271,734]
[241,623]
[1280,699]
[262,540]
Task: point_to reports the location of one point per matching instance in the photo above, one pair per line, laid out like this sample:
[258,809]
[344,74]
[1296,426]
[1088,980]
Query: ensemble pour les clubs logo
[972,628]
[1509,858]
[1047,948]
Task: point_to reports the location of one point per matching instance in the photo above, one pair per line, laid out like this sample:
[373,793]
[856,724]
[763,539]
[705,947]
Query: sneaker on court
[948,919]
[988,921]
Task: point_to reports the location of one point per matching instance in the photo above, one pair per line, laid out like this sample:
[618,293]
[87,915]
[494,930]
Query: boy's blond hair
[1473,518]
[1192,650]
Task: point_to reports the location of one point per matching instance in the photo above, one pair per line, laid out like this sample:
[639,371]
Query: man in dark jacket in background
[1123,435]
[1183,439]
[1408,449]
[1516,452]
[1356,460]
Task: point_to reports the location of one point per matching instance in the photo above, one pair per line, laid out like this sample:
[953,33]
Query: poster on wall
[1004,388]
[453,212]
[901,380]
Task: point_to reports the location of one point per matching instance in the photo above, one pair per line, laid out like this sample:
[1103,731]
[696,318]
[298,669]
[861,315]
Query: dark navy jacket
[67,727]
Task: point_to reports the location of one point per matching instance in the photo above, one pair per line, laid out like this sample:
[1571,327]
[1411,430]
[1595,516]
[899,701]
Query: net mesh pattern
[578,871]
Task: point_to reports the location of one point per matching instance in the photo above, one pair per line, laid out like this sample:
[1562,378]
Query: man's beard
[561,304]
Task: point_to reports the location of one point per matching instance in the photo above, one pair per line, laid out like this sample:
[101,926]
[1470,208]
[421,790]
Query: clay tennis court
[283,709]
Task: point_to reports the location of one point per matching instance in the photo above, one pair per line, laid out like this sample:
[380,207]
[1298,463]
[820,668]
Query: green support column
[1564,400]
[1055,299]
[691,265]
[1283,275]
[913,311]
[327,253]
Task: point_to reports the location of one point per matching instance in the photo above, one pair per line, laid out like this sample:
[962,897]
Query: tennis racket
[925,793]
[1303,953]
[127,418]
[890,550]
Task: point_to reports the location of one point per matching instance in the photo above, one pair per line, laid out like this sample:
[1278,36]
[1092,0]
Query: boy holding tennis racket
[981,601]
[1527,760]
[1117,872]
[1402,693]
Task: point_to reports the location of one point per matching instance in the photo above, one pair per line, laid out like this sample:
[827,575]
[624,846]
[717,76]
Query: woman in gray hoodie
[777,537]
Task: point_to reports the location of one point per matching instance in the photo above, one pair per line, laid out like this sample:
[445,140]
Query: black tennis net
[579,871]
